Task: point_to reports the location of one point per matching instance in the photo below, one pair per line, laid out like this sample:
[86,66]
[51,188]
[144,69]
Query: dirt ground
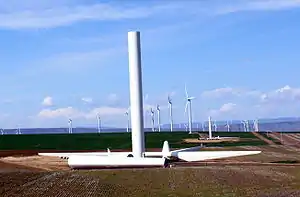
[24,173]
[208,181]
[270,154]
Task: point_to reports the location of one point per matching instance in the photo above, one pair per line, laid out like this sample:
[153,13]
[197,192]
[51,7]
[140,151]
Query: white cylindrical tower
[209,127]
[171,117]
[136,94]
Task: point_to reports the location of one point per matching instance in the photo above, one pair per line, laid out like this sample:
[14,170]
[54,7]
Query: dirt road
[258,135]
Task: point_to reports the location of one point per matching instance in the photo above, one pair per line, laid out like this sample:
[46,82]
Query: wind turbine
[227,126]
[152,118]
[247,125]
[158,117]
[215,126]
[99,123]
[189,104]
[244,125]
[128,121]
[203,126]
[255,125]
[170,113]
[186,127]
[209,128]
[70,126]
[18,130]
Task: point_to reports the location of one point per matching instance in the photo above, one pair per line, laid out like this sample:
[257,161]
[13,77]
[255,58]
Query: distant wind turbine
[170,113]
[128,121]
[18,130]
[247,125]
[209,128]
[215,126]
[70,125]
[189,104]
[152,119]
[158,117]
[203,126]
[255,125]
[227,126]
[244,125]
[99,123]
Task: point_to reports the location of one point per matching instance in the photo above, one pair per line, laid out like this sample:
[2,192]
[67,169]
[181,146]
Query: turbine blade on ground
[207,155]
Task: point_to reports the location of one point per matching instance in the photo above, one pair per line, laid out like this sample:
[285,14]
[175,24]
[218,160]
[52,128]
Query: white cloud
[258,5]
[60,113]
[70,112]
[49,14]
[48,101]
[87,99]
[62,15]
[286,93]
[227,109]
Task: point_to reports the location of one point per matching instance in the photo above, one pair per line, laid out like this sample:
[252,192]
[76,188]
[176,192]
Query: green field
[94,141]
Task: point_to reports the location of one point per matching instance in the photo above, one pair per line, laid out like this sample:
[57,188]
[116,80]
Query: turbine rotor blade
[186,92]
[185,109]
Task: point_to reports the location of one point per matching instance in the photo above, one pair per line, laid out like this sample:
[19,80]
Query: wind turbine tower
[247,125]
[209,128]
[158,117]
[256,126]
[136,94]
[18,130]
[170,113]
[128,121]
[244,125]
[98,123]
[215,126]
[203,126]
[152,119]
[70,126]
[227,126]
[189,104]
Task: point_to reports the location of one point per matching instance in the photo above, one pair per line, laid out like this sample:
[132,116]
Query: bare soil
[33,175]
[208,181]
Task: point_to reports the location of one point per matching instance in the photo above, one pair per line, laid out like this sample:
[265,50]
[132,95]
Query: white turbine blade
[186,92]
[186,106]
[207,155]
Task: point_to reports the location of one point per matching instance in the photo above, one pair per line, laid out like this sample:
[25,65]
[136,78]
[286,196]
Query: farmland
[274,172]
[102,141]
[206,181]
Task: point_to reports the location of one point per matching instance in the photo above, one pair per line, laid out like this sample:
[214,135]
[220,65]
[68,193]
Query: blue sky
[68,59]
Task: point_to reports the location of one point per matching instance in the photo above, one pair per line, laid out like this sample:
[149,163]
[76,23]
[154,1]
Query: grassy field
[209,181]
[111,140]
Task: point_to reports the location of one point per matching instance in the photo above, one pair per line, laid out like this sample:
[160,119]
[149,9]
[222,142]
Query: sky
[68,59]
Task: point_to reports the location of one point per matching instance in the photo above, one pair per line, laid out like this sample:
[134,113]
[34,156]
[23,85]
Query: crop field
[206,181]
[112,140]
[273,173]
